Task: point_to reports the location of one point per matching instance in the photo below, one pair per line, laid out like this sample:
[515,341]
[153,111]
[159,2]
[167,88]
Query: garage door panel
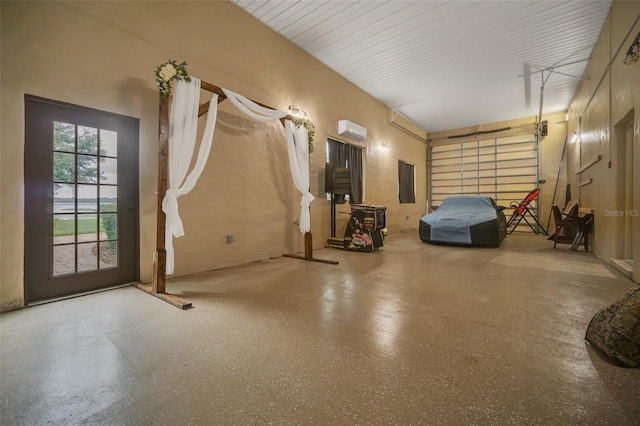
[505,169]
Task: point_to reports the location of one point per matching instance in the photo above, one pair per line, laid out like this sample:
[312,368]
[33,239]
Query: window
[349,156]
[406,183]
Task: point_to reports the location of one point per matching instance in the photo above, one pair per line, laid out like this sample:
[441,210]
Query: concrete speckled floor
[413,334]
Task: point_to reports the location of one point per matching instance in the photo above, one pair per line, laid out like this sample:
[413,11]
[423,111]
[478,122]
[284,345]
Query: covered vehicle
[476,220]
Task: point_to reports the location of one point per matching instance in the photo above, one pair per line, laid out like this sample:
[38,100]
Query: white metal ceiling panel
[447,64]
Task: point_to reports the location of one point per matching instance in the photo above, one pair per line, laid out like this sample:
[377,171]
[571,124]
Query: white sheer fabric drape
[252,109]
[298,148]
[183,127]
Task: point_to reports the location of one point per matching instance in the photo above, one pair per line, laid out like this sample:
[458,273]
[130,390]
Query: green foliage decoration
[311,129]
[167,72]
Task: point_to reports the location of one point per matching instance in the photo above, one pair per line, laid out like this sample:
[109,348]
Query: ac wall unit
[351,130]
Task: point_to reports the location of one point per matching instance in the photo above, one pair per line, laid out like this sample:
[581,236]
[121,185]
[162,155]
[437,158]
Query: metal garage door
[505,169]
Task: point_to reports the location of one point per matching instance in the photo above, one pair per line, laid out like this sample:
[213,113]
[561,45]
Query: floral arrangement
[311,129]
[170,71]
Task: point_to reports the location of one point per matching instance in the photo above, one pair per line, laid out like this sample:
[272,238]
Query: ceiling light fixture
[633,54]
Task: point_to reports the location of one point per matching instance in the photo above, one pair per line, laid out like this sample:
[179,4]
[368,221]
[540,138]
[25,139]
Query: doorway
[81,199]
[623,133]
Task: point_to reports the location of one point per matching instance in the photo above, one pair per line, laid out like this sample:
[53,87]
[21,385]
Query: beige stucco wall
[103,54]
[610,98]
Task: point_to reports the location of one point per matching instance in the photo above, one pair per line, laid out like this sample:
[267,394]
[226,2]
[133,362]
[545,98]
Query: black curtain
[345,155]
[406,190]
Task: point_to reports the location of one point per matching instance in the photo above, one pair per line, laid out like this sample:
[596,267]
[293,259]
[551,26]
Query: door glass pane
[87,198]
[87,257]
[64,228]
[108,143]
[87,169]
[64,137]
[108,254]
[108,171]
[87,140]
[64,167]
[63,198]
[109,226]
[108,198]
[87,227]
[64,259]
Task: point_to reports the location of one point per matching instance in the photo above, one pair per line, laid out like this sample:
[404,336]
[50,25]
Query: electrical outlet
[229,239]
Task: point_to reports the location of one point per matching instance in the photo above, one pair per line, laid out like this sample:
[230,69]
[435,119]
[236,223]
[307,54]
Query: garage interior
[410,334]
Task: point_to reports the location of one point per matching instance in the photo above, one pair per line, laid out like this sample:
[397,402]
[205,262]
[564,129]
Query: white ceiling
[447,64]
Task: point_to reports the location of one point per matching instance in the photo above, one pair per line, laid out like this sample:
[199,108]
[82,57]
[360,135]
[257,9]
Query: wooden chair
[562,221]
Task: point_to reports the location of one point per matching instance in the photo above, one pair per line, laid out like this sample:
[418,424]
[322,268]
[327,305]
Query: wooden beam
[218,90]
[589,163]
[169,298]
[160,255]
[586,182]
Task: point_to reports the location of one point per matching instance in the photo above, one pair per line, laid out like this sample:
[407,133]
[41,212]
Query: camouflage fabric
[615,330]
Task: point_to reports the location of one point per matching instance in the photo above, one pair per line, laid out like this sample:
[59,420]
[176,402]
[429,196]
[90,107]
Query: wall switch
[229,239]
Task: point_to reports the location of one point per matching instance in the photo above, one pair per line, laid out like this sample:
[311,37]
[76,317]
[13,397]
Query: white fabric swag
[298,149]
[183,127]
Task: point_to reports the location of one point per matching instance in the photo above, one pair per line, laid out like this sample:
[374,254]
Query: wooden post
[160,255]
[308,252]
[308,246]
[158,285]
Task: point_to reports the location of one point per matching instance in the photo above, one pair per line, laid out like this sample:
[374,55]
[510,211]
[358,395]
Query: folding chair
[521,210]
[581,225]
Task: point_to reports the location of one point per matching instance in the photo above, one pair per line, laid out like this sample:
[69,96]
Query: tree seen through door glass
[85,198]
[64,137]
[64,167]
[87,140]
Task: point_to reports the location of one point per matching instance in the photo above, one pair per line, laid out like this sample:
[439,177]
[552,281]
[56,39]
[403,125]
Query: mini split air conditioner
[351,130]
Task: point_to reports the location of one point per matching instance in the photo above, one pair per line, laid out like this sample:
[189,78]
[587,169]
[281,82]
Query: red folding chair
[521,210]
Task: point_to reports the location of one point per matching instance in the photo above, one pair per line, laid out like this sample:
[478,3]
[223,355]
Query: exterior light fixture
[297,113]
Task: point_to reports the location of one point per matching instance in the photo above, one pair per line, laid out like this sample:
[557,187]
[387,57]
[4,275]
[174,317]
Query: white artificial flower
[167,72]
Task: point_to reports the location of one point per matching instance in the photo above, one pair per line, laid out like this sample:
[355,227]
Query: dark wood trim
[160,255]
[169,298]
